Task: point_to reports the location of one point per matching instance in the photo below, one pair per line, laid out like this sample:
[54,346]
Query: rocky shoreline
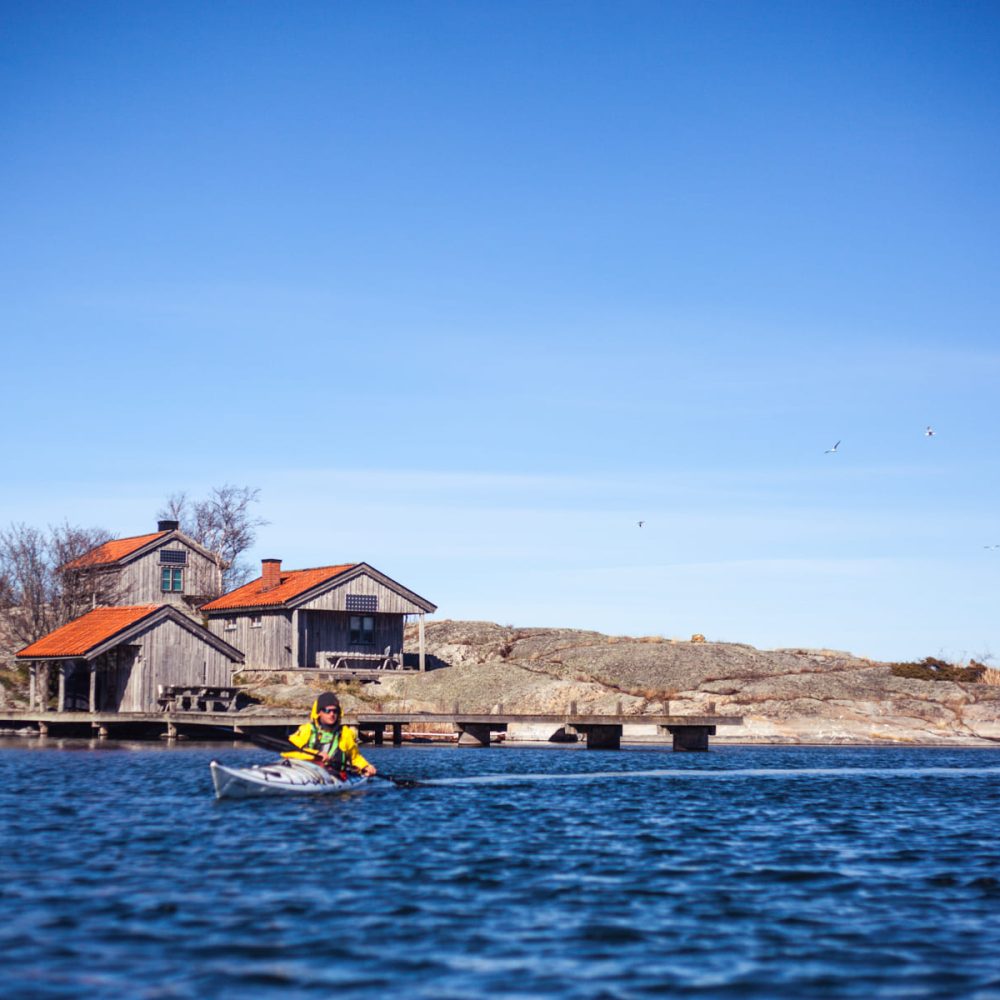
[785,696]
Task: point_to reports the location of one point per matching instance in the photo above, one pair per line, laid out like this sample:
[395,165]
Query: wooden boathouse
[118,659]
[332,618]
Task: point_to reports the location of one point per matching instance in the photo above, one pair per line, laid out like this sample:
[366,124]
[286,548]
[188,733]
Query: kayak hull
[285,777]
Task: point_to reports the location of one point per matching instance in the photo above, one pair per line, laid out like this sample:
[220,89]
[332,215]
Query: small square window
[256,621]
[362,630]
[171,579]
[230,625]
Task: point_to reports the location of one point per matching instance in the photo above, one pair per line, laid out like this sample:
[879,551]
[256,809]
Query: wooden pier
[601,732]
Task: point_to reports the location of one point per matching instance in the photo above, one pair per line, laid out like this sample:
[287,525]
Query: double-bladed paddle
[283,746]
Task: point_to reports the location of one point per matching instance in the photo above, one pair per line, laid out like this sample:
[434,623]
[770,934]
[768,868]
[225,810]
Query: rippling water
[553,872]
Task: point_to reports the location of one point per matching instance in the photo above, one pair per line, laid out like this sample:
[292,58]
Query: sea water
[514,872]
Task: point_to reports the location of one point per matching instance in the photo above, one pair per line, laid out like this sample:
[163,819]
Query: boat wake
[728,774]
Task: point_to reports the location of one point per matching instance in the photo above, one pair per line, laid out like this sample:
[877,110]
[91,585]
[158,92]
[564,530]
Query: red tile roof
[293,583]
[82,634]
[111,552]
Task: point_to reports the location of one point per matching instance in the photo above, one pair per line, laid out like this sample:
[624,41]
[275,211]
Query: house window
[230,625]
[171,579]
[178,557]
[362,630]
[256,622]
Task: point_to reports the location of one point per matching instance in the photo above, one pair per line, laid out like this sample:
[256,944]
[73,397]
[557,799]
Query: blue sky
[468,289]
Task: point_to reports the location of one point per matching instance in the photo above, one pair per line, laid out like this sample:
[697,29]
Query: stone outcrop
[783,695]
[794,695]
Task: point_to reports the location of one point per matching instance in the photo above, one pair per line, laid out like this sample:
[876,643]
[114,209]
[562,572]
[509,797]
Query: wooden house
[165,567]
[118,659]
[334,617]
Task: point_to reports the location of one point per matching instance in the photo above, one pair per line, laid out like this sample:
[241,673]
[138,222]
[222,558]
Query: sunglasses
[328,711]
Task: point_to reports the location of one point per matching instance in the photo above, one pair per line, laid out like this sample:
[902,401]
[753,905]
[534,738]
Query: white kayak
[284,777]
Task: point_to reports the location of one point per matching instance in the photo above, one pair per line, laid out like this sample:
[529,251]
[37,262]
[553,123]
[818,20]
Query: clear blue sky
[468,289]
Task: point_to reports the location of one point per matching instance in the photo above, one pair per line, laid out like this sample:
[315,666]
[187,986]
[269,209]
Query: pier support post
[473,734]
[171,731]
[43,729]
[604,737]
[379,735]
[93,687]
[421,655]
[32,684]
[397,734]
[61,705]
[691,737]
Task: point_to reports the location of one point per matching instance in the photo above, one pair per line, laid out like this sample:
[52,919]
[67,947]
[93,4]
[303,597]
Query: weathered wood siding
[389,602]
[129,675]
[331,631]
[141,578]
[267,646]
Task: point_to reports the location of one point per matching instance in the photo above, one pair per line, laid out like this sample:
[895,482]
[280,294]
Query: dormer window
[172,580]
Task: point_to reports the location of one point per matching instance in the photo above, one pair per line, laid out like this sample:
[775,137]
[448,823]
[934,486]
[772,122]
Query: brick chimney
[270,571]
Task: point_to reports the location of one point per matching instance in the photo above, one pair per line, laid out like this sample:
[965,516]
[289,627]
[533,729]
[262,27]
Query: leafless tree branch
[36,590]
[223,523]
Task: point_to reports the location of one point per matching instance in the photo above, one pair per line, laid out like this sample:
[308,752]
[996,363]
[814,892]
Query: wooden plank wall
[330,630]
[266,647]
[170,654]
[140,580]
[388,600]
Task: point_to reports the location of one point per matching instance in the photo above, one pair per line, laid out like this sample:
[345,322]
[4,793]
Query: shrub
[933,669]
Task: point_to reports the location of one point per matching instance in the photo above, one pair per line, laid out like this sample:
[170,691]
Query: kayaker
[331,743]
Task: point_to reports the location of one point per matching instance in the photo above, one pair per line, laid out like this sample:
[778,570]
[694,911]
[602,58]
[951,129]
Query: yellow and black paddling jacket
[340,743]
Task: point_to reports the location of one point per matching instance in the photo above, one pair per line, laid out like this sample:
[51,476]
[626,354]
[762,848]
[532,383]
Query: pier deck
[602,732]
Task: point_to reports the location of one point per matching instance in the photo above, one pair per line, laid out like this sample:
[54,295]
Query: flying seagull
[929,433]
[641,523]
[830,451]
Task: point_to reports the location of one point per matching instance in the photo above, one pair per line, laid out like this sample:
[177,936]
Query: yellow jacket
[311,736]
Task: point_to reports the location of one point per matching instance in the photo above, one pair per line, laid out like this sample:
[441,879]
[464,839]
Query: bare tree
[38,592]
[83,587]
[223,523]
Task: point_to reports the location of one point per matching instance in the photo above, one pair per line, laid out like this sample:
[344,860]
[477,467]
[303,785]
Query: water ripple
[514,873]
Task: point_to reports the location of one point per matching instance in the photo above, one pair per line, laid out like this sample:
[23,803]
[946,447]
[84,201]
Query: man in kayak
[324,739]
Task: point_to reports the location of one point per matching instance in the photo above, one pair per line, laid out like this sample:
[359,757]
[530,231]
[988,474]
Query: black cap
[327,700]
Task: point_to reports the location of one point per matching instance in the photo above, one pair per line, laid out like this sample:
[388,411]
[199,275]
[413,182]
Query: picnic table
[343,659]
[197,698]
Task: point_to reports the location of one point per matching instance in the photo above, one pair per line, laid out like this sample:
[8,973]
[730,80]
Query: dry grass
[991,675]
[931,668]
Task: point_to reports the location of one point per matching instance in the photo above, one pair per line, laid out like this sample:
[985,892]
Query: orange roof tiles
[82,634]
[111,552]
[293,583]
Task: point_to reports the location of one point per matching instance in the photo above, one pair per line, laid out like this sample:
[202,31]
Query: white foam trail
[750,772]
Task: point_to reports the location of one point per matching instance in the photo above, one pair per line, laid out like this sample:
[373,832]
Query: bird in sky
[929,433]
[991,546]
[831,451]
[640,523]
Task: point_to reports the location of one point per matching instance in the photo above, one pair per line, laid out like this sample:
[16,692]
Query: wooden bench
[197,698]
[342,660]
